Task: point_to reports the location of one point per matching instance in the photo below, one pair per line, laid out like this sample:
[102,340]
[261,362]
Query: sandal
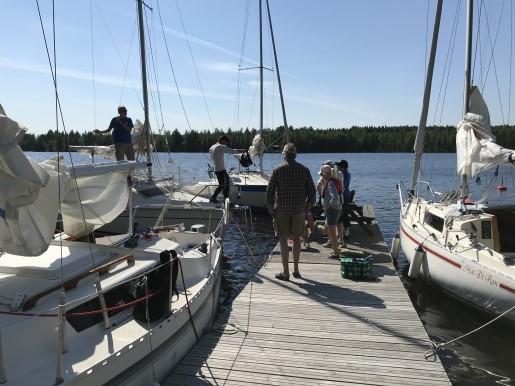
[296,275]
[282,276]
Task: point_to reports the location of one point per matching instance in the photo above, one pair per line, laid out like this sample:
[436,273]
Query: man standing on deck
[289,193]
[122,138]
[217,151]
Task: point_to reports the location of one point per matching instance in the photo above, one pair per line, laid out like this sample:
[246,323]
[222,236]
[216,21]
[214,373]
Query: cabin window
[121,294]
[486,229]
[434,221]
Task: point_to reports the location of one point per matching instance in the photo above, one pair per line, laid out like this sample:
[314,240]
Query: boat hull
[145,217]
[464,278]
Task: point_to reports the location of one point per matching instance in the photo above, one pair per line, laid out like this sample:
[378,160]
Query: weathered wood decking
[318,330]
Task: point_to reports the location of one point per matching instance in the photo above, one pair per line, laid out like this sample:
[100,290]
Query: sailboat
[157,201]
[248,187]
[464,248]
[75,310]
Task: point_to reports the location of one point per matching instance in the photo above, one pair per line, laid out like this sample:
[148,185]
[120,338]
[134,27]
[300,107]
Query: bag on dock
[356,268]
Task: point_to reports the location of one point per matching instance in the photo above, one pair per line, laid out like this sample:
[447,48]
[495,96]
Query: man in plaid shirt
[289,194]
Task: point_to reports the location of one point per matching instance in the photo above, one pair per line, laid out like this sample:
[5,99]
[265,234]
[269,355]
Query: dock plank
[317,330]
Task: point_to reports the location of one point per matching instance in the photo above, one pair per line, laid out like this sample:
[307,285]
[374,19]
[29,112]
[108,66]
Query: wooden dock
[318,330]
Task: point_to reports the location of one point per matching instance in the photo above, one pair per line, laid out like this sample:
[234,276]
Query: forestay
[476,149]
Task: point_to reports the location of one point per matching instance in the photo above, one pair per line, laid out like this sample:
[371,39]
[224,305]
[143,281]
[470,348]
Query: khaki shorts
[124,149]
[289,224]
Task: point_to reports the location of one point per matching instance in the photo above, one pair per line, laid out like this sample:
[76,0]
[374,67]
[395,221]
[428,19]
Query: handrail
[72,283]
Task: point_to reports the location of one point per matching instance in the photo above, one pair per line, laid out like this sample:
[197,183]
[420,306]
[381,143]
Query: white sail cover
[28,204]
[138,143]
[32,193]
[258,146]
[476,149]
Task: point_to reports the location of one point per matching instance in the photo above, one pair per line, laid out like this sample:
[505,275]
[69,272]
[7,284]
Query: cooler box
[356,268]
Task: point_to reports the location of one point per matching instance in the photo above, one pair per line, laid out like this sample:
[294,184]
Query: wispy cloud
[109,80]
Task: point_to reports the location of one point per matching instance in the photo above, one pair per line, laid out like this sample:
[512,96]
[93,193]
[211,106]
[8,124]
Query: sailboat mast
[260,79]
[286,134]
[146,124]
[421,132]
[468,80]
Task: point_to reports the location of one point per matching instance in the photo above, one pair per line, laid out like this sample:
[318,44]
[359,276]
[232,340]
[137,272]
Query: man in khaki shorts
[289,193]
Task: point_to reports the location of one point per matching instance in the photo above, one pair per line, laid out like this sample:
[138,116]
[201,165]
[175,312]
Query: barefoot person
[289,193]
[332,204]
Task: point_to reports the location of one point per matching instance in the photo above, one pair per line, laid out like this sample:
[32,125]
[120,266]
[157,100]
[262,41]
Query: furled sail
[32,194]
[258,146]
[476,149]
[28,195]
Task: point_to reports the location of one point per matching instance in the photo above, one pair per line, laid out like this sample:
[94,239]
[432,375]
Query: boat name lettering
[480,275]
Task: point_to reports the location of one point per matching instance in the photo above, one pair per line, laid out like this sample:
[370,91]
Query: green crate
[356,268]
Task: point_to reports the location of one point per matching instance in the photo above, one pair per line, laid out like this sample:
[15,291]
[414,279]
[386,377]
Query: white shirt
[217,152]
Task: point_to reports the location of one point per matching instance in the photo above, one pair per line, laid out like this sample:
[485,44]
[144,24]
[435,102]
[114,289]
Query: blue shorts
[332,215]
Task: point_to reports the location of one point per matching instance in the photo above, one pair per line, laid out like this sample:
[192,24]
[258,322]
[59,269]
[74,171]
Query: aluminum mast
[421,132]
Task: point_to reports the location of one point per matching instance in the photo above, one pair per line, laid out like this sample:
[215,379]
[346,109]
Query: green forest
[307,139]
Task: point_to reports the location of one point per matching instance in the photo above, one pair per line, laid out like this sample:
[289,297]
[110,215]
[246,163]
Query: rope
[187,300]
[431,353]
[246,333]
[253,258]
[84,313]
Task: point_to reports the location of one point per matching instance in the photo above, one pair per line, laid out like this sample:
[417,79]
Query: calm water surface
[486,358]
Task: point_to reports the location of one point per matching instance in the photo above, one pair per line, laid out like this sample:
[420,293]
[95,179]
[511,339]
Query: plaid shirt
[293,185]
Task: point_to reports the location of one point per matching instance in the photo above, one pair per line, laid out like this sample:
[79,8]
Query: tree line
[439,139]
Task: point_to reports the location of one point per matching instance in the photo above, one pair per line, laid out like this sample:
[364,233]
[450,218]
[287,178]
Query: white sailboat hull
[246,189]
[130,352]
[475,276]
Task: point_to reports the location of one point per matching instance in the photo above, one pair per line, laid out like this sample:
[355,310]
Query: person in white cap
[289,193]
[332,204]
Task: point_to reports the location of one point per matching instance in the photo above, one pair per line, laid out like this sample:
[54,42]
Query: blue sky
[342,62]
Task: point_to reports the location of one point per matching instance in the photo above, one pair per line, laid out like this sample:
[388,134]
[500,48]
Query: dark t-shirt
[121,129]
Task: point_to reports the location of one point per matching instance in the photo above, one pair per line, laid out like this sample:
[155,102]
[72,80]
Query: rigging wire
[93,64]
[492,59]
[195,65]
[65,133]
[511,62]
[448,59]
[478,46]
[125,64]
[173,74]
[240,66]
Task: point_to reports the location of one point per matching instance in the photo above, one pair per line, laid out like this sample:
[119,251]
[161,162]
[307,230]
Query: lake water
[485,358]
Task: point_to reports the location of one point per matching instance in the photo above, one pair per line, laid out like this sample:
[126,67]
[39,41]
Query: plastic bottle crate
[356,268]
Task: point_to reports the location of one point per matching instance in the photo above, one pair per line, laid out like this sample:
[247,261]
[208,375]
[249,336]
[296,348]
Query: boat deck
[318,330]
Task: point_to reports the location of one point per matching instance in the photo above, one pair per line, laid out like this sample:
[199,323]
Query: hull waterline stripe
[452,262]
[501,285]
[506,288]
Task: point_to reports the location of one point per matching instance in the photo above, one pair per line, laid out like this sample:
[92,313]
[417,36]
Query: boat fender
[416,263]
[394,250]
